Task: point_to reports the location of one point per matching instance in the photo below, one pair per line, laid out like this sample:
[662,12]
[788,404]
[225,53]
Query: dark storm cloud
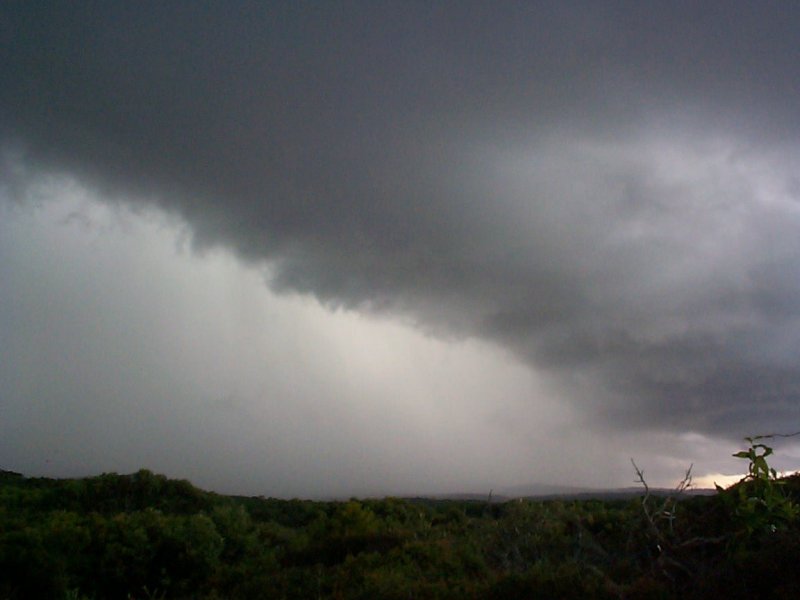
[607,190]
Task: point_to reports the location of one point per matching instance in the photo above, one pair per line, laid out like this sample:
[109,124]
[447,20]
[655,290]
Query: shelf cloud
[607,191]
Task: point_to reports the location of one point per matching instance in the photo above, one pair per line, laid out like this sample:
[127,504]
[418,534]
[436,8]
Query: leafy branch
[762,504]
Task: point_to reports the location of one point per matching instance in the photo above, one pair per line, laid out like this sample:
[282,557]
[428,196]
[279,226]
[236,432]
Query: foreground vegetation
[145,536]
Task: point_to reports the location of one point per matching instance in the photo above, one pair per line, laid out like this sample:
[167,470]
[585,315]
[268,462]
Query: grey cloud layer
[609,191]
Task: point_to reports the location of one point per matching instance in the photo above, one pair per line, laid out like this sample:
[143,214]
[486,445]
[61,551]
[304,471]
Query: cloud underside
[609,193]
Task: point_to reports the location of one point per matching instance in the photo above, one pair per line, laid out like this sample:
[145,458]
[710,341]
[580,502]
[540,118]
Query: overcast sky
[317,249]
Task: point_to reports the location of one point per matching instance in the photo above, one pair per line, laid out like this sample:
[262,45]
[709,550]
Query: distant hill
[562,492]
[578,493]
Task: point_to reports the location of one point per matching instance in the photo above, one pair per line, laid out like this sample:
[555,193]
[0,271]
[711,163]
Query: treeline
[146,536]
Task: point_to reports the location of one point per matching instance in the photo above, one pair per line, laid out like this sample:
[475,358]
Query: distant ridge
[563,492]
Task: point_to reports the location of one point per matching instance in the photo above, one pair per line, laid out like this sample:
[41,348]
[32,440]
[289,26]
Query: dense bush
[145,536]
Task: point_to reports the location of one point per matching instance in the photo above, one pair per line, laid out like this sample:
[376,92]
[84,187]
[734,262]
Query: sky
[355,248]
